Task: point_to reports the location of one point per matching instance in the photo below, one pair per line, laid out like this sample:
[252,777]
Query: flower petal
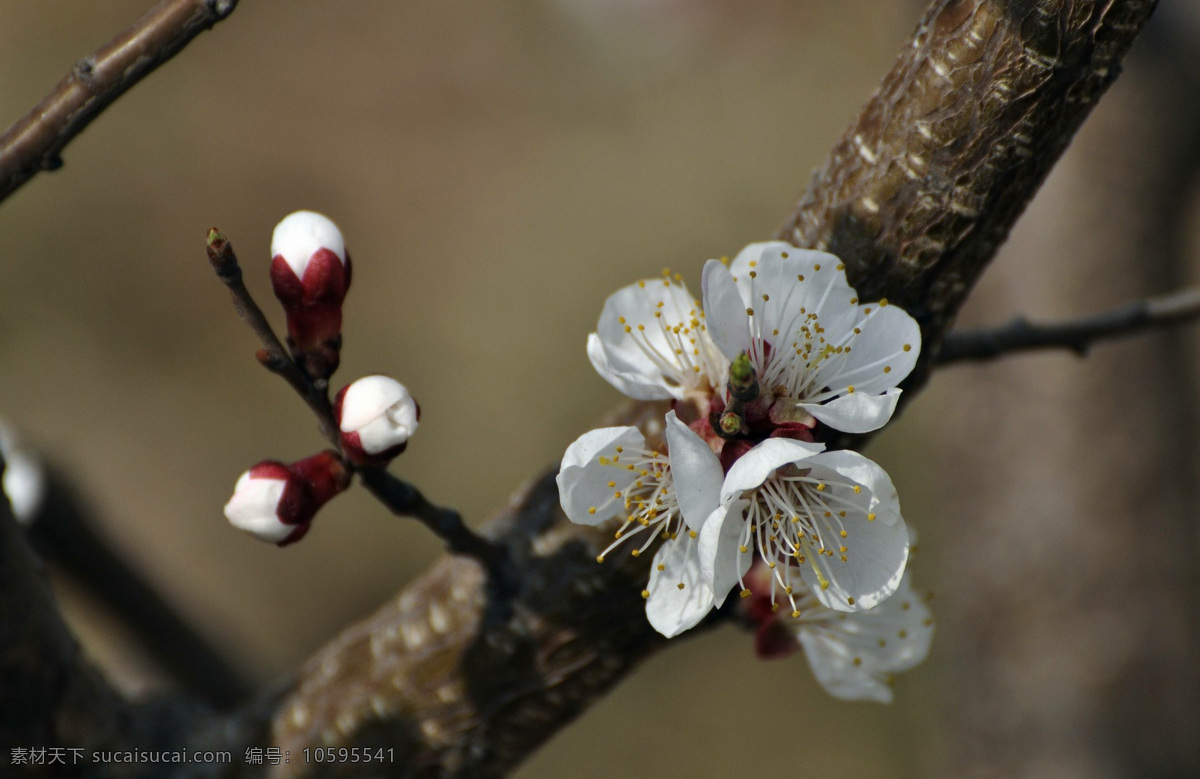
[882,355]
[671,609]
[801,286]
[644,341]
[725,310]
[629,383]
[857,412]
[695,470]
[753,468]
[852,654]
[876,540]
[587,469]
[721,564]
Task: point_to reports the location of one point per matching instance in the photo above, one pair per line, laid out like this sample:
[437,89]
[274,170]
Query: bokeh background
[498,169]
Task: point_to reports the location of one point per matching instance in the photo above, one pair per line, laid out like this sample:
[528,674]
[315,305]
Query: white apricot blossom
[610,473]
[832,519]
[855,655]
[808,338]
[652,343]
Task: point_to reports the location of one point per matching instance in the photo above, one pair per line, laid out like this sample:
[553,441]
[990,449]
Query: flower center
[796,519]
[649,502]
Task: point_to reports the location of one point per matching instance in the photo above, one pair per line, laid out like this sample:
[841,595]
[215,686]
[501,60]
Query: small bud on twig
[376,416]
[310,273]
[276,503]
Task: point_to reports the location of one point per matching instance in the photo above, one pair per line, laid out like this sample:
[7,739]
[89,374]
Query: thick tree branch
[1077,335]
[924,186]
[36,141]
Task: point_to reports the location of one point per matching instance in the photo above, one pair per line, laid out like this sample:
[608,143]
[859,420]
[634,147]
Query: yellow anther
[620,449]
[850,601]
[870,517]
[636,552]
[841,266]
[754,274]
[628,329]
[680,585]
[887,369]
[842,549]
[882,643]
[850,389]
[662,567]
[742,548]
[796,614]
[642,284]
[749,312]
[853,301]
[857,489]
[843,534]
[908,347]
[746,593]
[771,565]
[599,558]
[592,510]
[817,266]
[800,277]
[612,484]
[821,487]
[903,634]
[858,661]
[645,594]
[774,607]
[691,533]
[883,302]
[766,297]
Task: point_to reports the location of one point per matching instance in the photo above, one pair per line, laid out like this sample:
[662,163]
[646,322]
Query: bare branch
[1077,335]
[400,497]
[35,143]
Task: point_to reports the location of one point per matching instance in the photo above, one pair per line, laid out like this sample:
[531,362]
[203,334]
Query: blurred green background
[499,169]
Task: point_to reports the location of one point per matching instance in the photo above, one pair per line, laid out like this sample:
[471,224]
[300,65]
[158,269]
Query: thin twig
[400,497]
[1077,335]
[273,356]
[36,141]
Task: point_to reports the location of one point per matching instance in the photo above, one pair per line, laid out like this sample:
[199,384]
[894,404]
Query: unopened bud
[377,415]
[276,503]
[731,423]
[743,380]
[310,273]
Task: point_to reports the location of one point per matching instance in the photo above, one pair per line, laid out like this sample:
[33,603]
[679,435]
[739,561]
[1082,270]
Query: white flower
[799,321]
[24,479]
[854,656]
[609,473]
[302,234]
[652,343]
[830,518]
[377,415]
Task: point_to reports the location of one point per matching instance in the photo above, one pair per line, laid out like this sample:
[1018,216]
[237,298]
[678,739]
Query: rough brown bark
[920,191]
[916,197]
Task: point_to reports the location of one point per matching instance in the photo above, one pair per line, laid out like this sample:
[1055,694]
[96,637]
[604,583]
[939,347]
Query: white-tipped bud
[254,508]
[301,235]
[24,478]
[377,415]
